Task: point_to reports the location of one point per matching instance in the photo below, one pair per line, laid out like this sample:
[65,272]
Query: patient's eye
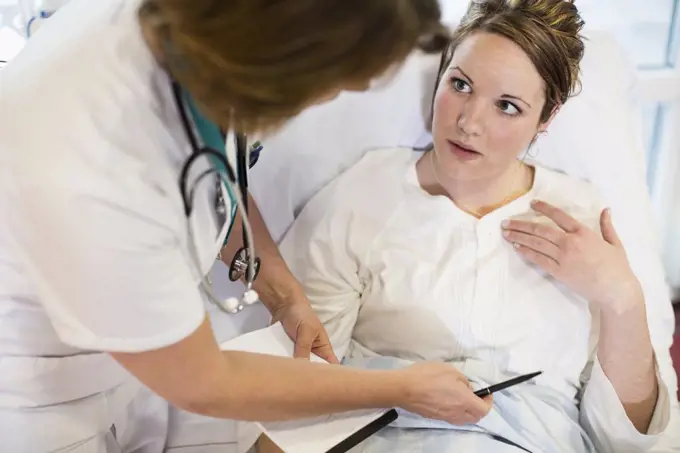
[460,85]
[508,108]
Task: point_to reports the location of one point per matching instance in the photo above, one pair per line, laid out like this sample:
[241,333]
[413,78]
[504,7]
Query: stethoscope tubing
[237,183]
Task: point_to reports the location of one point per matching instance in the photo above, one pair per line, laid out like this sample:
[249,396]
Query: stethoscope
[245,263]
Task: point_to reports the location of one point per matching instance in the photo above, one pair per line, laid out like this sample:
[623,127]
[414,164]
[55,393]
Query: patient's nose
[470,118]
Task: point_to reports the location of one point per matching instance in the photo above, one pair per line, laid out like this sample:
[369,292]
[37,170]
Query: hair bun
[563,20]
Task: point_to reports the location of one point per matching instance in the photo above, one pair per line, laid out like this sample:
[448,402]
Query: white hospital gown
[394,272]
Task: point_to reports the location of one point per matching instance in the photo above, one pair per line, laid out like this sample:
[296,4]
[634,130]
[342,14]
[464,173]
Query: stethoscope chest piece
[239,265]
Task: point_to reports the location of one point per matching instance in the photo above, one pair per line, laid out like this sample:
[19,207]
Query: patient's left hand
[304,328]
[595,267]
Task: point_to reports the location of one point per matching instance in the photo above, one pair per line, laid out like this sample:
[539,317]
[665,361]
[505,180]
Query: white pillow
[596,136]
[324,140]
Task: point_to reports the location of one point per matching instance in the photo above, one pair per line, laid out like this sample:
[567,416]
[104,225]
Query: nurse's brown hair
[547,30]
[253,64]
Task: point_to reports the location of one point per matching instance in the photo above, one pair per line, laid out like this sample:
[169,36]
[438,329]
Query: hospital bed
[597,136]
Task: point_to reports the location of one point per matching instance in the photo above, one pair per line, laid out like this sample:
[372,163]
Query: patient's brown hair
[253,64]
[547,30]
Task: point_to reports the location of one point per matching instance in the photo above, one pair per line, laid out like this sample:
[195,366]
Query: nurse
[102,321]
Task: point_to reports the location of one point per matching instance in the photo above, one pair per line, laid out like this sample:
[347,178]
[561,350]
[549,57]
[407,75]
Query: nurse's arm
[196,376]
[275,283]
[280,291]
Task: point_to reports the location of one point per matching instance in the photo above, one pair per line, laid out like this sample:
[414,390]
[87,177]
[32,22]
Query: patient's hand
[593,266]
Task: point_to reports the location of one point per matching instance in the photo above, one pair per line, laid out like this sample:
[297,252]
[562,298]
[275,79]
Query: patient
[444,255]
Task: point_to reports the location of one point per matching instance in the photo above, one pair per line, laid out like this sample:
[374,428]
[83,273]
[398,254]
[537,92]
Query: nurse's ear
[155,32]
[436,41]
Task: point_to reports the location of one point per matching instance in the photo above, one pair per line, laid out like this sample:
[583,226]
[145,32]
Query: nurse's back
[86,75]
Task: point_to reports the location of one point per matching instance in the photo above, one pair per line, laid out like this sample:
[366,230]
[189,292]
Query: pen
[503,385]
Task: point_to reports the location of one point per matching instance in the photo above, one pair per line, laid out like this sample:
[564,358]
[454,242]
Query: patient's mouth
[462,152]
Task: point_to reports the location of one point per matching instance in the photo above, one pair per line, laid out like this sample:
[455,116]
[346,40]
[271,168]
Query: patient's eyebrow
[463,72]
[509,96]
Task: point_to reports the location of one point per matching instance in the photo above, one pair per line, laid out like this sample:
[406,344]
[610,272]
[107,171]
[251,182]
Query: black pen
[503,385]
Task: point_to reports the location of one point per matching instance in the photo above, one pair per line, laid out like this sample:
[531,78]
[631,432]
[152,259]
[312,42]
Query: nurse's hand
[303,327]
[439,391]
[594,266]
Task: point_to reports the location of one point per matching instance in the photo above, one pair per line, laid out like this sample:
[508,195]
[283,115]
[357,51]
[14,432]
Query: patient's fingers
[561,218]
[546,232]
[535,243]
[544,262]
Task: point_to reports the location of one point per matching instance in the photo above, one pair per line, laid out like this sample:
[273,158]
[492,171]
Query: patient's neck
[477,197]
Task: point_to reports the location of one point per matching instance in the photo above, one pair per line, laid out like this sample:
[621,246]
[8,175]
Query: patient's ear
[543,127]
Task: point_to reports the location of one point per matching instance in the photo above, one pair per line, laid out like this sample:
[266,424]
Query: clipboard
[364,433]
[337,433]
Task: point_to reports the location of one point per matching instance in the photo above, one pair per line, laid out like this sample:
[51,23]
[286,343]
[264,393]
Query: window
[651,113]
[11,40]
[655,47]
[644,28]
[649,30]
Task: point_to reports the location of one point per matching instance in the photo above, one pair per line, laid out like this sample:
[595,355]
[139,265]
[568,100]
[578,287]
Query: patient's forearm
[627,358]
[299,389]
[275,284]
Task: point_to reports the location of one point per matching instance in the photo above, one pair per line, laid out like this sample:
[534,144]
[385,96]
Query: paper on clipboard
[271,340]
[332,433]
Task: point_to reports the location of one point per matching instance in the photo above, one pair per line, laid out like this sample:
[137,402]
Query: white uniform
[93,239]
[394,272]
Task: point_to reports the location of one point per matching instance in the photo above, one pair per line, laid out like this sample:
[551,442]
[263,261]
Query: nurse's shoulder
[84,89]
[89,114]
[91,200]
